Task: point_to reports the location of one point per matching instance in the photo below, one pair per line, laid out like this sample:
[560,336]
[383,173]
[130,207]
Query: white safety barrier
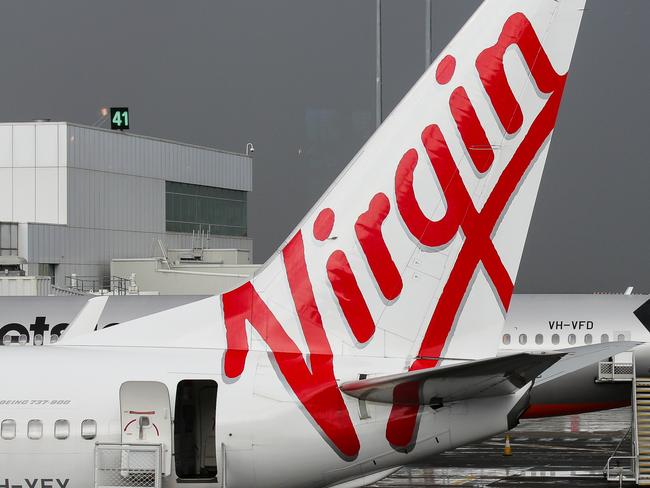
[128,465]
[609,371]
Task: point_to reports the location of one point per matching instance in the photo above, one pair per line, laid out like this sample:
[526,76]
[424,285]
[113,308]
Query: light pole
[378,65]
[427,34]
[250,149]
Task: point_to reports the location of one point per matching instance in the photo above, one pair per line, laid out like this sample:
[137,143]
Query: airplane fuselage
[554,321]
[259,426]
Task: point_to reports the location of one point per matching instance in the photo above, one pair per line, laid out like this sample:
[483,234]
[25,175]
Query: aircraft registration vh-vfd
[368,341]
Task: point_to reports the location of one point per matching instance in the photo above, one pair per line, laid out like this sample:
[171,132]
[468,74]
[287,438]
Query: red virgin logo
[315,385]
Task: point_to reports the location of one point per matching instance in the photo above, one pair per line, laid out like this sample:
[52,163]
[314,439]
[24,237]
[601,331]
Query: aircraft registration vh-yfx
[368,341]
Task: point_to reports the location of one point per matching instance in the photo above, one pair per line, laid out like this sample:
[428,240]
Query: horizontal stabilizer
[86,320]
[480,378]
[580,357]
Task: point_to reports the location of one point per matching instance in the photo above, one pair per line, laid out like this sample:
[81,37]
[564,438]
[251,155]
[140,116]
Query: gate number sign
[119,118]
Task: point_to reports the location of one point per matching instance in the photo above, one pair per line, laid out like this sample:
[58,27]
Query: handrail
[619,473]
[635,441]
[634,434]
[614,456]
[621,441]
[84,285]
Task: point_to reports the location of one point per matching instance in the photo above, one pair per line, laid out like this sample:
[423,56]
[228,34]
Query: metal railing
[119,285]
[128,465]
[635,425]
[622,466]
[62,291]
[609,371]
[82,285]
[615,471]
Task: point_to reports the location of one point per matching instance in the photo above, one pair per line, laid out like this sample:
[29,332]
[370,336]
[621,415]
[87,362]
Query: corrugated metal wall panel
[116,201]
[142,156]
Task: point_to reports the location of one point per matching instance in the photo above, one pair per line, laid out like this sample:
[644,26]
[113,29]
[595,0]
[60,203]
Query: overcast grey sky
[296,77]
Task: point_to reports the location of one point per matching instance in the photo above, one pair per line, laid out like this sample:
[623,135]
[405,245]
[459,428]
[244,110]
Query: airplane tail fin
[414,249]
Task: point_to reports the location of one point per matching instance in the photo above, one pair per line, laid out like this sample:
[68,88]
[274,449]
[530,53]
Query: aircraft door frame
[197,457]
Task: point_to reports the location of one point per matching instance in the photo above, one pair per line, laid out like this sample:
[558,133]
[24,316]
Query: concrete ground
[560,451]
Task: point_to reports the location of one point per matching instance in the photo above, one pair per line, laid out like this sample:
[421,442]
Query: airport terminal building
[73,197]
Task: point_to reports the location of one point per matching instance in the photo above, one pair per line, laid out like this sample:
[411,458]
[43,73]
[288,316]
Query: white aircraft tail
[413,251]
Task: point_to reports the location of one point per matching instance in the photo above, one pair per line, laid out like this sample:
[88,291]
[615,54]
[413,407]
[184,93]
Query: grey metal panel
[115,201]
[103,150]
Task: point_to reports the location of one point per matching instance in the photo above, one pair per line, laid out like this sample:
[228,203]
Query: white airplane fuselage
[251,413]
[554,321]
[267,440]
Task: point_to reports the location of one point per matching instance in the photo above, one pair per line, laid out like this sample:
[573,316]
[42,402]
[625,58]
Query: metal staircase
[630,461]
[635,465]
[641,408]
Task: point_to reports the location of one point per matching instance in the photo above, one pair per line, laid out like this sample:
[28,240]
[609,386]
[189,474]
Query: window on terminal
[196,208]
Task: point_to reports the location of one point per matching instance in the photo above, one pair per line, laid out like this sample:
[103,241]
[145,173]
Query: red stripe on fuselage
[553,409]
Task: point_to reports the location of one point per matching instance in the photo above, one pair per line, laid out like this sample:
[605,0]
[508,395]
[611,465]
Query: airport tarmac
[557,451]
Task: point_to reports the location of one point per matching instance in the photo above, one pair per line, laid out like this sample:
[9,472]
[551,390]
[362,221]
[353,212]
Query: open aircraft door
[146,417]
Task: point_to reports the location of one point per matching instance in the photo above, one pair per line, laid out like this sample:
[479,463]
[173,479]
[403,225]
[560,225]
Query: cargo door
[146,417]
